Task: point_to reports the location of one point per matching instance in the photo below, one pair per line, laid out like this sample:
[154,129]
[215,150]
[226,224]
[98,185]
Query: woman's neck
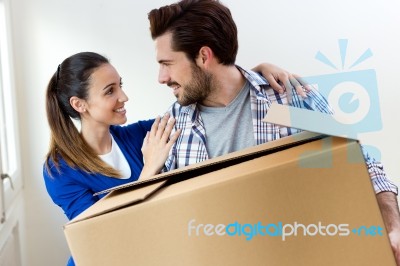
[98,138]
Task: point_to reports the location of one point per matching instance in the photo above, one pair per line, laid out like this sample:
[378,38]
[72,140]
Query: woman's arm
[73,197]
[280,79]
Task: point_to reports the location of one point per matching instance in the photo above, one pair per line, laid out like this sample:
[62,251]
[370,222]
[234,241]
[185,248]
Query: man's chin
[181,101]
[185,101]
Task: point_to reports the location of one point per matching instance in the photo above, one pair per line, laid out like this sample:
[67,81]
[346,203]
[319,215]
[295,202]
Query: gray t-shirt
[229,128]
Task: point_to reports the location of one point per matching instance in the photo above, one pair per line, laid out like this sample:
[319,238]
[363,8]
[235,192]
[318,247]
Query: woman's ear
[78,104]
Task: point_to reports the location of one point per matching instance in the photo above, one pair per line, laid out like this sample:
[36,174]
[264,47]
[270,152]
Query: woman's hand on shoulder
[280,79]
[157,144]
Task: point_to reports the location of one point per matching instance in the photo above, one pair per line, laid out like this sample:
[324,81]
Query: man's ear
[205,57]
[78,104]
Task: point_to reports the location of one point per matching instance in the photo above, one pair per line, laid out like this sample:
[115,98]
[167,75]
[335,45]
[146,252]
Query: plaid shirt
[190,147]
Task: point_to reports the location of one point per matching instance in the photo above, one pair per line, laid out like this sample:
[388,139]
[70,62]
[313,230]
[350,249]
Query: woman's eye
[110,91]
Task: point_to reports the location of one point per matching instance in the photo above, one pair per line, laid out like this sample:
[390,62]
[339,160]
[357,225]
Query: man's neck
[227,83]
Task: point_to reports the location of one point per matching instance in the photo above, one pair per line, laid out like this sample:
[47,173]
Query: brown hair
[72,78]
[197,23]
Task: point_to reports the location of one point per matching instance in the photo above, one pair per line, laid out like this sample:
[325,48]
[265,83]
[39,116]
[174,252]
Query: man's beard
[198,88]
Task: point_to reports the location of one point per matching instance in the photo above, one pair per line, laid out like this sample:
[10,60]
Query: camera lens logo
[351,102]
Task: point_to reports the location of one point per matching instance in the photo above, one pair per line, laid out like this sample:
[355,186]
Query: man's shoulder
[255,78]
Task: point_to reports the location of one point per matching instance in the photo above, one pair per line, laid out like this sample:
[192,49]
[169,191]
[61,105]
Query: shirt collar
[254,78]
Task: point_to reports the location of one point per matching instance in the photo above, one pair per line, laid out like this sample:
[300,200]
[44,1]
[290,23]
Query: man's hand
[388,205]
[280,79]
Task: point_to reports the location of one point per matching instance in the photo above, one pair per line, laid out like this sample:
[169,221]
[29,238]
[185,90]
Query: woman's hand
[157,144]
[280,79]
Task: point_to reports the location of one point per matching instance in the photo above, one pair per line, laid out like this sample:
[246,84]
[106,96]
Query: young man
[196,43]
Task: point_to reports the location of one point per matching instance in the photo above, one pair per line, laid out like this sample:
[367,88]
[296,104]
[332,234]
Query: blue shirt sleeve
[72,189]
[62,186]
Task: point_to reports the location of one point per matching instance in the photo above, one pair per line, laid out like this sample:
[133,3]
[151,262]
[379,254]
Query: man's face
[190,84]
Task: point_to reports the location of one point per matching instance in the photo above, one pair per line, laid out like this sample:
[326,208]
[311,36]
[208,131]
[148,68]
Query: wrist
[148,171]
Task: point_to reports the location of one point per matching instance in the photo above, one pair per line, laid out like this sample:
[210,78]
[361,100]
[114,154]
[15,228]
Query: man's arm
[385,189]
[388,205]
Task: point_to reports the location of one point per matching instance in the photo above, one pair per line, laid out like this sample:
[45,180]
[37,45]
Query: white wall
[287,33]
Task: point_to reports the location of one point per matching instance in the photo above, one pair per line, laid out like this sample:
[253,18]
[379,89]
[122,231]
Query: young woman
[103,154]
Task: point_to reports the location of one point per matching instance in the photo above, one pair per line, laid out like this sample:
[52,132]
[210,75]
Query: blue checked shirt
[190,147]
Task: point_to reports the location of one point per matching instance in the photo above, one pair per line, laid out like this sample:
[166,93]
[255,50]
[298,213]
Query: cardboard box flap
[118,200]
[130,194]
[244,154]
[308,120]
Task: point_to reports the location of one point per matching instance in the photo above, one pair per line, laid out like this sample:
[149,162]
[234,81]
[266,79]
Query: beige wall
[287,33]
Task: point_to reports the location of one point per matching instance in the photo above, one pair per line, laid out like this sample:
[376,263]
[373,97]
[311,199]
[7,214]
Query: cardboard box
[301,200]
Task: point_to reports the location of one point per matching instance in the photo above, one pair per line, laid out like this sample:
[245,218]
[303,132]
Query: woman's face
[106,99]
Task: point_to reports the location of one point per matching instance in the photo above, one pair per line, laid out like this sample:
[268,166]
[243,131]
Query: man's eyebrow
[163,61]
